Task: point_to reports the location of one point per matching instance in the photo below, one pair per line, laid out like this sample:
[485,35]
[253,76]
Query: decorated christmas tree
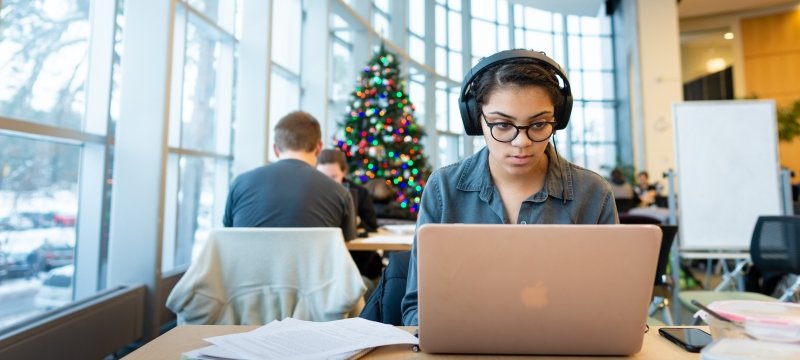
[379,136]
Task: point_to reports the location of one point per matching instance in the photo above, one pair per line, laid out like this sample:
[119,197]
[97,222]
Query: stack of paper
[297,339]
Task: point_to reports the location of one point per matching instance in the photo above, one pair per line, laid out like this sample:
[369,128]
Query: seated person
[290,192]
[333,163]
[645,191]
[624,195]
[516,103]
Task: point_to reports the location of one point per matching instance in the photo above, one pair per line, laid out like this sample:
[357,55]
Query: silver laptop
[535,289]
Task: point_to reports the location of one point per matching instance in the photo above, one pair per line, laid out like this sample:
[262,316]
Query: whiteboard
[727,171]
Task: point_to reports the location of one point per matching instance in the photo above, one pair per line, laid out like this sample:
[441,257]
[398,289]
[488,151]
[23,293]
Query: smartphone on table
[691,339]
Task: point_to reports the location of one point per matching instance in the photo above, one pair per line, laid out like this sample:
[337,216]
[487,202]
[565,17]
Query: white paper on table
[297,339]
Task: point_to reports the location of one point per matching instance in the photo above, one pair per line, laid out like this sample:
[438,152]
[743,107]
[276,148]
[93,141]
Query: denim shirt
[464,193]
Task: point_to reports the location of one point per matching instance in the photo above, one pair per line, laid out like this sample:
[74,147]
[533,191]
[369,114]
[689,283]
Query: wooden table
[181,339]
[382,240]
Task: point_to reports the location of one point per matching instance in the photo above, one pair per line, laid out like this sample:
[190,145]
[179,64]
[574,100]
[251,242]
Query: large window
[448,39]
[200,126]
[582,45]
[45,141]
[285,89]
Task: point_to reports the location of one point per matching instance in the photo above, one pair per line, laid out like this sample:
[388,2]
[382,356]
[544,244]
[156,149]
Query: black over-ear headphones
[468,105]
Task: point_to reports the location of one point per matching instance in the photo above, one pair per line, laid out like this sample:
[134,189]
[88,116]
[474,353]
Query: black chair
[662,287]
[774,247]
[623,205]
[384,303]
[626,218]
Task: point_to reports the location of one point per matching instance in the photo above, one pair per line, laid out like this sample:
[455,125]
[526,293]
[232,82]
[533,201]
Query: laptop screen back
[535,289]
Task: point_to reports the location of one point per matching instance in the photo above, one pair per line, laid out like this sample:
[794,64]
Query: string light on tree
[379,135]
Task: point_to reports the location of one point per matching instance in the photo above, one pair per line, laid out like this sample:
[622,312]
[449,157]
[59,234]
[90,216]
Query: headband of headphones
[468,104]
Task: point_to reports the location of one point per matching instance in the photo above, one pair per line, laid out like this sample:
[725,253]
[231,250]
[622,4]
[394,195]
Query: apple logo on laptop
[534,296]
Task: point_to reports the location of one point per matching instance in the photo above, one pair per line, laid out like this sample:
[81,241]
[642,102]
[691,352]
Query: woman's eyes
[503,126]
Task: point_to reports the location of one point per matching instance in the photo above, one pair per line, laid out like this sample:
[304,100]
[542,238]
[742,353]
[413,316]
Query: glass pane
[592,53]
[456,126]
[519,39]
[416,47]
[38,213]
[416,93]
[381,25]
[441,60]
[539,41]
[383,5]
[43,61]
[576,81]
[286,20]
[519,16]
[341,29]
[599,157]
[599,122]
[441,109]
[574,48]
[454,4]
[502,12]
[590,25]
[218,11]
[484,10]
[284,98]
[341,76]
[199,111]
[483,38]
[577,128]
[502,37]
[195,206]
[478,142]
[573,24]
[441,26]
[558,23]
[416,17]
[607,54]
[454,31]
[538,19]
[597,86]
[448,149]
[455,66]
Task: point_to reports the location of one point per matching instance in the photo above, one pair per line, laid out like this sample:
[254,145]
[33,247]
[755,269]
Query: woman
[514,99]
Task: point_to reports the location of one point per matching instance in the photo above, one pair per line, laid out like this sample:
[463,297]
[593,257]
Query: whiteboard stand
[727,174]
[786,186]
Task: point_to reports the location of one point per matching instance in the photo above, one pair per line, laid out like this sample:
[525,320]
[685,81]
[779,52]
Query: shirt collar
[474,175]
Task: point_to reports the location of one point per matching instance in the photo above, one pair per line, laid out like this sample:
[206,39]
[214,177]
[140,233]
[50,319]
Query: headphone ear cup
[469,116]
[566,111]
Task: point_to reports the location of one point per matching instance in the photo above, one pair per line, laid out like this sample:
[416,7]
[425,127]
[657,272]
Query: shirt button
[523,222]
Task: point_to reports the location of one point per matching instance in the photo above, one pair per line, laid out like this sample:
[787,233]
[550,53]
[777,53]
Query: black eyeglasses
[506,132]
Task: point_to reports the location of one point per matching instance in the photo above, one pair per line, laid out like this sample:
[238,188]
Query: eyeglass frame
[519,128]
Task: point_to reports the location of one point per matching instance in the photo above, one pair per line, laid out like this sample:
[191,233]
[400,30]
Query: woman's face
[520,106]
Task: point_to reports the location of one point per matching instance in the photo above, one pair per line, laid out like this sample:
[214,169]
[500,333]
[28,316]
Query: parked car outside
[51,255]
[56,288]
[18,266]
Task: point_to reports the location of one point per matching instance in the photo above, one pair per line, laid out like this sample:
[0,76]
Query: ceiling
[686,8]
[695,8]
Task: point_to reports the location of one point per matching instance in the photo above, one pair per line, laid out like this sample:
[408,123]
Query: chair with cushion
[774,247]
[251,276]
